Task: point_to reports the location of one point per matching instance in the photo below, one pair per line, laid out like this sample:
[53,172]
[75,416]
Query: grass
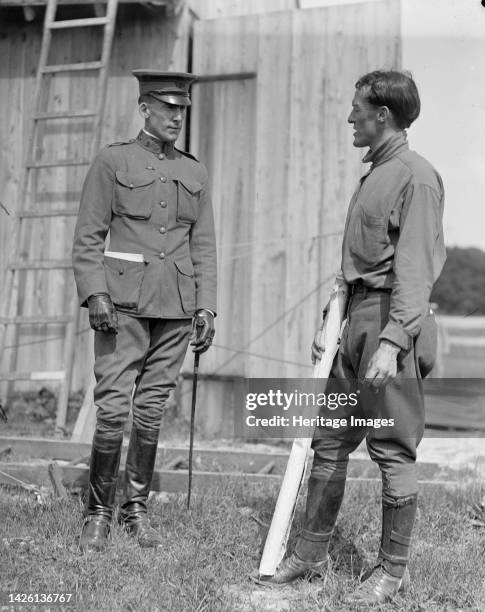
[211,550]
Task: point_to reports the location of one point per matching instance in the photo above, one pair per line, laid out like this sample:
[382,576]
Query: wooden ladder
[30,207]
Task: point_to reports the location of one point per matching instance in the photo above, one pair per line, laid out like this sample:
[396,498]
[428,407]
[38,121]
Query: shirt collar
[151,143]
[389,148]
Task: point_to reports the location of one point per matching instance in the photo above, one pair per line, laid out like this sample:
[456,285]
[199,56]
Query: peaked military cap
[170,87]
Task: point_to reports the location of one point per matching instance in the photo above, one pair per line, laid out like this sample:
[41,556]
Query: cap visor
[172,99]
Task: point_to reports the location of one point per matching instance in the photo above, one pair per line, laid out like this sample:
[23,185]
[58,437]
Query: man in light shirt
[392,253]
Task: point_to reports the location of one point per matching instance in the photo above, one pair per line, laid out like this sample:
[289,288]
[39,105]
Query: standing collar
[389,148]
[153,144]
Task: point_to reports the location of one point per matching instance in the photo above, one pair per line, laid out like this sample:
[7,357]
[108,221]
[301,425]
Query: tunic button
[163,204]
[162,255]
[161,156]
[163,179]
[131,185]
[162,230]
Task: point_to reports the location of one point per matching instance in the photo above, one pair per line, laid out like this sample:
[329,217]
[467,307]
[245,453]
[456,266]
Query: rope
[251,354]
[275,322]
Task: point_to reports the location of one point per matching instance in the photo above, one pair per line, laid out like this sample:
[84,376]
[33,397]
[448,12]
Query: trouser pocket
[426,345]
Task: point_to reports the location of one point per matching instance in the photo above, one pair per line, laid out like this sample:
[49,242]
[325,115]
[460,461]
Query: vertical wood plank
[223,137]
[268,306]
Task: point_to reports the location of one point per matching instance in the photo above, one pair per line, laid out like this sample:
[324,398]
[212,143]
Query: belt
[361,288]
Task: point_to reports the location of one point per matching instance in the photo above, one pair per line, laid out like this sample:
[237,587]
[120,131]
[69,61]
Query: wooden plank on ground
[216,460]
[242,460]
[56,475]
[42,448]
[171,481]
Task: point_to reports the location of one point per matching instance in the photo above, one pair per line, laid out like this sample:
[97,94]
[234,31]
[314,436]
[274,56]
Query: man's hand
[382,366]
[102,313]
[318,346]
[202,330]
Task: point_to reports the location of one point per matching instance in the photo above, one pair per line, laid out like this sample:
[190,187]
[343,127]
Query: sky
[444,47]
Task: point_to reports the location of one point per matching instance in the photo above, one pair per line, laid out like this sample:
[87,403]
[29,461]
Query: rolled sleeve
[92,227]
[420,229]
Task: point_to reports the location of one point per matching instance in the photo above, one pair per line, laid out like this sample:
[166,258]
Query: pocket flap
[185,267]
[192,187]
[130,180]
[123,265]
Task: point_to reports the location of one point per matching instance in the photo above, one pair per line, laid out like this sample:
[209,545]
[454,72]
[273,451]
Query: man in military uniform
[392,253]
[146,291]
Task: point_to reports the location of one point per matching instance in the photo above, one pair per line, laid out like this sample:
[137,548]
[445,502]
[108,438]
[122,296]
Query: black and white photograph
[242,305]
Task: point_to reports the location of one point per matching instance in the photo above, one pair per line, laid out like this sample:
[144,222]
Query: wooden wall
[143,38]
[279,152]
[216,9]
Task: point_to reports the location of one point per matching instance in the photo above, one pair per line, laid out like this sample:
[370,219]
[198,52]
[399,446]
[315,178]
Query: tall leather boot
[310,557]
[140,462]
[103,474]
[390,575]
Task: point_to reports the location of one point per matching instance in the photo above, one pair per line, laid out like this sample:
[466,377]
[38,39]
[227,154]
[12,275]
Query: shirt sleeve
[203,251]
[419,230]
[92,227]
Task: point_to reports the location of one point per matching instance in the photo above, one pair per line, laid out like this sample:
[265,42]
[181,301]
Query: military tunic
[156,205]
[159,268]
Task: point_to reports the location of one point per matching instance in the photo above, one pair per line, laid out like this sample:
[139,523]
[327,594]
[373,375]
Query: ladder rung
[77,23]
[52,163]
[72,67]
[62,212]
[64,115]
[55,375]
[51,264]
[25,320]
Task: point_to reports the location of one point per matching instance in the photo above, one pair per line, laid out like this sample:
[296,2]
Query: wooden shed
[269,121]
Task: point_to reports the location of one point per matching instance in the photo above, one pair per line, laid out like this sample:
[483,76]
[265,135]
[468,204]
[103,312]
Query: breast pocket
[134,195]
[369,237]
[188,201]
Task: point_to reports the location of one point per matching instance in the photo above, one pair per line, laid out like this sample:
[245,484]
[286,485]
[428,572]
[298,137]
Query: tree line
[460,290]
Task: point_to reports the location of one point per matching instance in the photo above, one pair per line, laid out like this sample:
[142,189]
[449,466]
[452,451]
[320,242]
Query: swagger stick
[199,326]
[192,424]
[277,538]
